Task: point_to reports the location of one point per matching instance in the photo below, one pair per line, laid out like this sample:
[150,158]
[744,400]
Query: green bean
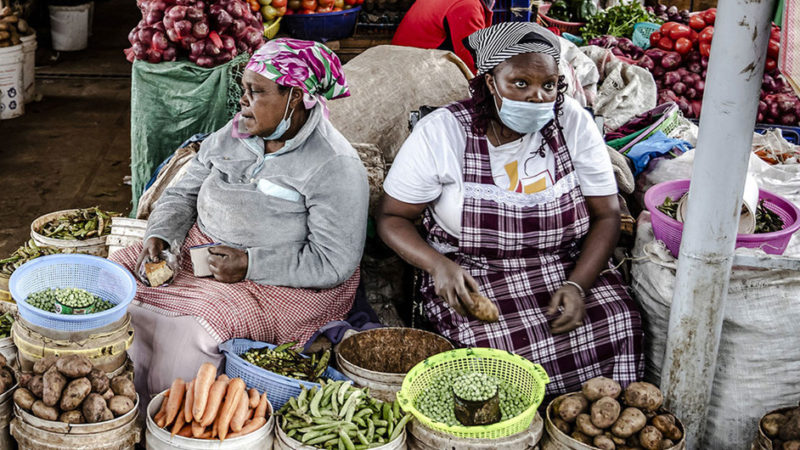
[289,363]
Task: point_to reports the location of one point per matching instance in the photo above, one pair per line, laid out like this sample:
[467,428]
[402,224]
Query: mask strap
[287,106]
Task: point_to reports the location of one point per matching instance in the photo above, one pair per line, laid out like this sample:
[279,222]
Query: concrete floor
[72,148]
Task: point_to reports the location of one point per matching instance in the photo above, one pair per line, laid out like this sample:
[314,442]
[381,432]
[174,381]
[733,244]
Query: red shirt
[443,24]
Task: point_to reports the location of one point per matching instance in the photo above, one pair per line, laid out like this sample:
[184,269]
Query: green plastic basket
[527,377]
[642,32]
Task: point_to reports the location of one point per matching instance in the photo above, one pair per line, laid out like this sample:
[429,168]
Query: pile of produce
[783,429]
[670,14]
[7,380]
[595,416]
[68,301]
[27,252]
[289,363]
[436,402]
[337,415]
[270,10]
[209,34]
[211,407]
[69,389]
[79,225]
[619,46]
[319,6]
[617,21]
[766,220]
[6,321]
[12,28]
[572,10]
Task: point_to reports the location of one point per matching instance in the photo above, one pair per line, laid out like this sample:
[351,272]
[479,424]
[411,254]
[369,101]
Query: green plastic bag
[172,101]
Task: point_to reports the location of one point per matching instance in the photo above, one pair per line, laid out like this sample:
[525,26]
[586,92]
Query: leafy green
[617,21]
[572,10]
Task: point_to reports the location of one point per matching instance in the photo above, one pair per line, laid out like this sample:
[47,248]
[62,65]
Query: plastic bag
[173,262]
[656,145]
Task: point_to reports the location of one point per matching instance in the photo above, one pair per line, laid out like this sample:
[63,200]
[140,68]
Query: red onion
[183,27]
[194,13]
[200,29]
[160,41]
[679,88]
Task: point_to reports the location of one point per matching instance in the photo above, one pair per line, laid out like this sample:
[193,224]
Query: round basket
[526,376]
[101,277]
[670,230]
[642,32]
[568,27]
[322,27]
[279,388]
[271,29]
[93,246]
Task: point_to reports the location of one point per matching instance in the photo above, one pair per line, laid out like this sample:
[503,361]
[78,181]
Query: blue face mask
[283,125]
[524,117]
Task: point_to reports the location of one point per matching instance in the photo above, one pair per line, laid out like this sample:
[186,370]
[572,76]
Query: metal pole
[724,143]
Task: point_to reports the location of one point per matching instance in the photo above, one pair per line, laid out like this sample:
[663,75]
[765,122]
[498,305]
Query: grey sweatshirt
[300,213]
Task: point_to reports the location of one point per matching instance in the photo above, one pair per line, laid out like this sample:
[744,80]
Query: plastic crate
[106,279]
[322,27]
[642,32]
[279,388]
[791,134]
[564,27]
[511,11]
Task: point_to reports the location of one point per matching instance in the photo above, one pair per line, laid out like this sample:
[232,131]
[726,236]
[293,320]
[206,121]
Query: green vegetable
[71,297]
[289,363]
[6,320]
[79,225]
[572,10]
[22,255]
[475,387]
[617,21]
[669,207]
[766,220]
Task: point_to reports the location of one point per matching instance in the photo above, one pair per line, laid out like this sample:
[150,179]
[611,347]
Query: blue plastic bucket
[322,27]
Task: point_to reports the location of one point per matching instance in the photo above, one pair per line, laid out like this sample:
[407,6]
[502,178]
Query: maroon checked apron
[520,248]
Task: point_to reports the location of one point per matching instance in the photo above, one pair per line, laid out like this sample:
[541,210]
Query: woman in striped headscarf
[518,201]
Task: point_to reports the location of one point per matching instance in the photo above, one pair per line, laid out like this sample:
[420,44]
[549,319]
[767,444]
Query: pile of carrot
[211,407]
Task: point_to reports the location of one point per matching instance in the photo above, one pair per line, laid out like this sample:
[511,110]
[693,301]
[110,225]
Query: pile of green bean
[475,387]
[22,255]
[436,401]
[79,225]
[74,297]
[337,415]
[6,320]
[289,363]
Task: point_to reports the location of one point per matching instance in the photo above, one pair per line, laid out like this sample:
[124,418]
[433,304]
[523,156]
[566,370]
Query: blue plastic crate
[511,11]
[322,27]
[791,134]
[279,388]
[106,279]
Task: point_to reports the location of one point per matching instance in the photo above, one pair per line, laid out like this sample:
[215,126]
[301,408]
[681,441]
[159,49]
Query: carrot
[189,401]
[161,416]
[250,414]
[175,400]
[254,397]
[179,422]
[186,431]
[223,377]
[214,401]
[232,399]
[206,435]
[215,428]
[251,426]
[261,409]
[240,415]
[197,429]
[202,386]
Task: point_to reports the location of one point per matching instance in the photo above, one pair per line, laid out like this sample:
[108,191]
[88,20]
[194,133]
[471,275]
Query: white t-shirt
[428,168]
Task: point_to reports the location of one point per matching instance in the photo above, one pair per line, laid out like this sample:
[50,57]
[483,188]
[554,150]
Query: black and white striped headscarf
[493,45]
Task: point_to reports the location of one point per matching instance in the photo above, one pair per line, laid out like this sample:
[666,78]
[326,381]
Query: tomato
[773,48]
[281,11]
[325,9]
[705,48]
[338,4]
[679,31]
[289,12]
[269,12]
[683,46]
[294,5]
[771,64]
[279,3]
[775,34]
[665,43]
[710,15]
[706,35]
[654,38]
[255,6]
[667,27]
[309,4]
[696,22]
[325,3]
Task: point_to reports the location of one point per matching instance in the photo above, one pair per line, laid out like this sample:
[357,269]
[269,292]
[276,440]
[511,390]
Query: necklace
[494,132]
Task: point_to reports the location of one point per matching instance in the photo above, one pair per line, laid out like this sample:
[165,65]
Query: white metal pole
[724,142]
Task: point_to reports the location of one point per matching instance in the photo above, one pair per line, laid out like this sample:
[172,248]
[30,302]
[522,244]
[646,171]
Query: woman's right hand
[454,284]
[151,249]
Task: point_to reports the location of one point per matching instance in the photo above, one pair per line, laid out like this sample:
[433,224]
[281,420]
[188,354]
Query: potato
[75,393]
[650,438]
[564,427]
[570,407]
[54,384]
[667,444]
[120,405]
[7,377]
[36,386]
[605,412]
[23,398]
[585,426]
[790,430]
[72,417]
[41,366]
[107,415]
[483,309]
[604,442]
[93,408]
[771,423]
[600,387]
[630,422]
[633,441]
[74,366]
[665,423]
[617,440]
[122,385]
[99,380]
[791,445]
[643,395]
[43,411]
[580,437]
[108,394]
[3,360]
[24,379]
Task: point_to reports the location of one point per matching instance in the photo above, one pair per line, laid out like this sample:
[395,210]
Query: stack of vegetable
[595,416]
[68,301]
[285,361]
[619,46]
[208,34]
[211,407]
[337,415]
[319,6]
[766,220]
[12,28]
[7,380]
[617,21]
[79,225]
[26,253]
[69,389]
[670,14]
[783,428]
[6,321]
[270,10]
[572,10]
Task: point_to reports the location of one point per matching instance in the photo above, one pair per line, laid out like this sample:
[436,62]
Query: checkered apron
[246,309]
[520,248]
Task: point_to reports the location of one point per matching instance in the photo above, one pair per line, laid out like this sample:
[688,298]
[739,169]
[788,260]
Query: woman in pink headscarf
[284,194]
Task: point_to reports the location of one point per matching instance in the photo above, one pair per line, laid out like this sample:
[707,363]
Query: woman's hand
[453,284]
[227,264]
[151,250]
[570,298]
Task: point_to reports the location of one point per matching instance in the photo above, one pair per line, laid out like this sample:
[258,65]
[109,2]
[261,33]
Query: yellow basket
[271,29]
[527,377]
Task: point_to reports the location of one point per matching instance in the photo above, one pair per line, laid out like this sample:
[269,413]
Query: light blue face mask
[524,117]
[283,125]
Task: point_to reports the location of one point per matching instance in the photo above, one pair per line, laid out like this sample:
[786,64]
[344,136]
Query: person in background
[443,25]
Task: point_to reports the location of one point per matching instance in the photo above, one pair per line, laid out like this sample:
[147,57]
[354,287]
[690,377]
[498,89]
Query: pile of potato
[783,429]
[12,28]
[69,389]
[6,375]
[604,416]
